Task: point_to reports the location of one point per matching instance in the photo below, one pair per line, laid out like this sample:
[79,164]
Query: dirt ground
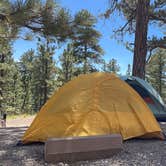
[20,121]
[135,152]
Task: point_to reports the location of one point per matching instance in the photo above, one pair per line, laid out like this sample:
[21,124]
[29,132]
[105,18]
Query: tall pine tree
[139,14]
[26,71]
[10,92]
[43,73]
[156,71]
[67,60]
[86,42]
[113,66]
[128,72]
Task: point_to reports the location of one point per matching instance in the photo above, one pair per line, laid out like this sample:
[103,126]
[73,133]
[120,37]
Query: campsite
[82,83]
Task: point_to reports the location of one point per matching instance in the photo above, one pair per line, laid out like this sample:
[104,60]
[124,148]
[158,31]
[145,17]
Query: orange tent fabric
[94,104]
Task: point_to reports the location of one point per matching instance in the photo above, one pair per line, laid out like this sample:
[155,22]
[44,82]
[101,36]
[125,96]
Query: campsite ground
[19,121]
[135,152]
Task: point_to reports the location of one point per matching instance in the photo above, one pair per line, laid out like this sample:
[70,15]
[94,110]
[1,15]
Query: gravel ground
[135,152]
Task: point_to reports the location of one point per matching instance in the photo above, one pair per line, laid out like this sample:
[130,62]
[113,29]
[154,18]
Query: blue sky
[112,48]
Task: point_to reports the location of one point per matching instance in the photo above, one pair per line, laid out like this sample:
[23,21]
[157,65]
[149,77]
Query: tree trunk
[85,66]
[2,61]
[46,72]
[45,81]
[24,97]
[67,73]
[160,75]
[140,44]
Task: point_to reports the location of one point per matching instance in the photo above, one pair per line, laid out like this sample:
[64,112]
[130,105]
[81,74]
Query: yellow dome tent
[93,104]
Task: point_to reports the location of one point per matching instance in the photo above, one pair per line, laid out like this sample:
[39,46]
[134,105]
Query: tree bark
[66,72]
[160,74]
[85,70]
[140,44]
[46,71]
[24,97]
[2,61]
[45,81]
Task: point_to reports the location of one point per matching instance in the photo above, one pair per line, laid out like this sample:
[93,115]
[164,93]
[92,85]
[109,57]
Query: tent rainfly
[94,104]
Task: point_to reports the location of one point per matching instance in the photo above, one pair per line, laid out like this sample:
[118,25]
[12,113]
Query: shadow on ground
[11,154]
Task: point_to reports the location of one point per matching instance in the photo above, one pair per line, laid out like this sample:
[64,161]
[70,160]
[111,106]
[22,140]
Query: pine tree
[39,17]
[26,70]
[104,66]
[156,71]
[9,81]
[86,43]
[43,73]
[67,60]
[42,17]
[29,83]
[139,14]
[113,66]
[128,72]
[16,90]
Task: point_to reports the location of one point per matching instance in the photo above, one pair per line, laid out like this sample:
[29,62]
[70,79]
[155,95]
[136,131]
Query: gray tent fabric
[146,91]
[146,85]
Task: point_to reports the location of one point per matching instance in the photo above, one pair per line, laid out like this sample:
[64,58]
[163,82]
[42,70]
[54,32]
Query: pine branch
[158,16]
[129,21]
[157,43]
[3,17]
[33,28]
